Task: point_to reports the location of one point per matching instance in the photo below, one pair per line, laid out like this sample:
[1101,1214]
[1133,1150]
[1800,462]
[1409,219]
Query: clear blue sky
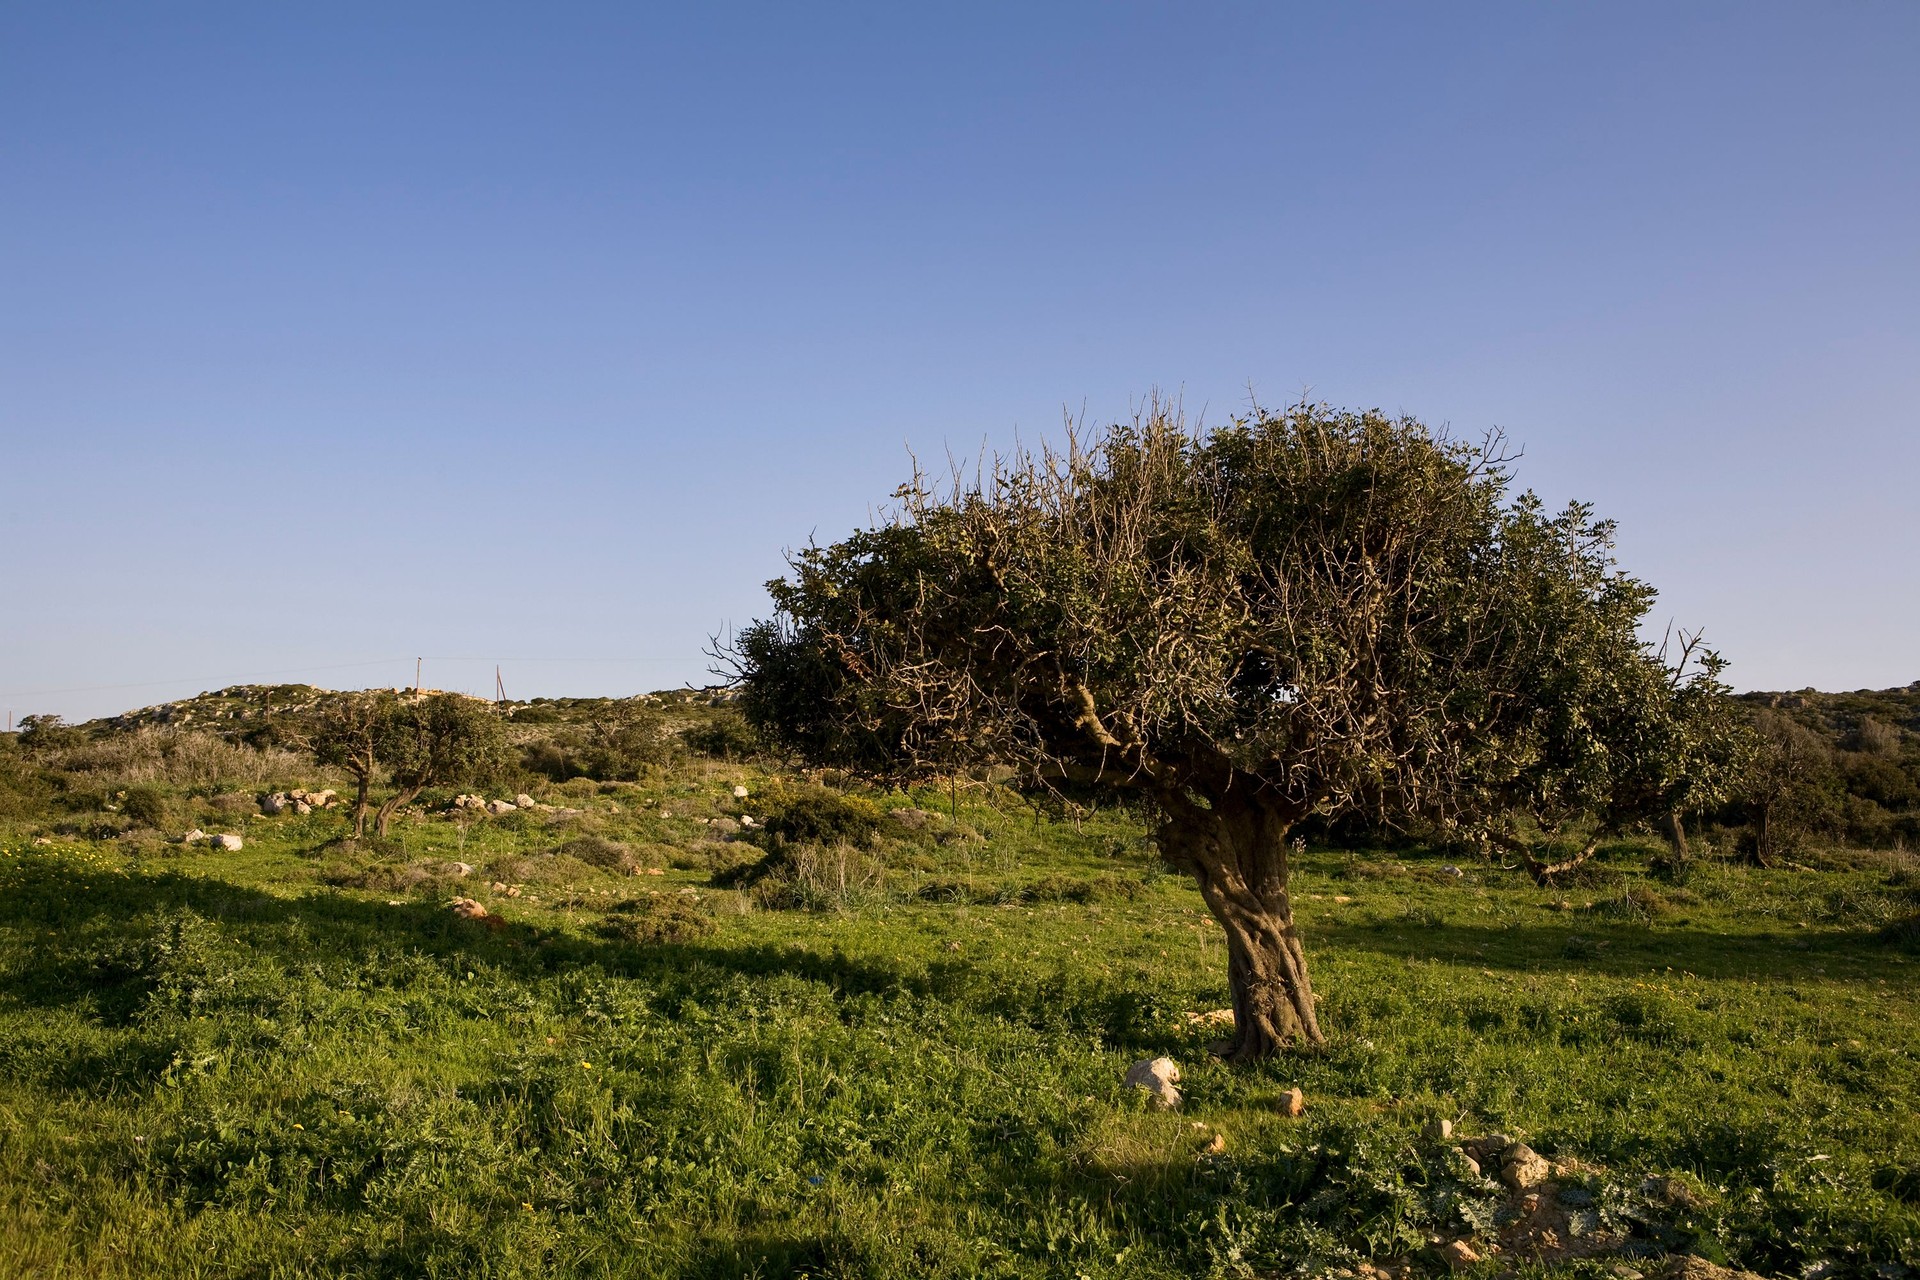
[340,334]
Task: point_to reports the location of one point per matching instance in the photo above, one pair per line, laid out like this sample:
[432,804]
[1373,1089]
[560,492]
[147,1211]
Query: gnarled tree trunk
[1236,850]
[385,815]
[1676,834]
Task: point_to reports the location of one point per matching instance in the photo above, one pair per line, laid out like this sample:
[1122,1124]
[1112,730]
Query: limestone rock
[1522,1168]
[1458,1254]
[468,909]
[499,807]
[1157,1076]
[194,836]
[228,843]
[1293,1102]
[322,799]
[1221,1018]
[460,868]
[523,801]
[740,793]
[274,804]
[1440,1130]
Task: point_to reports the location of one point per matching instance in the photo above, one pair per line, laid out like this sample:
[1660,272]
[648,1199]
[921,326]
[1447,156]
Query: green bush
[147,806]
[656,919]
[725,737]
[817,815]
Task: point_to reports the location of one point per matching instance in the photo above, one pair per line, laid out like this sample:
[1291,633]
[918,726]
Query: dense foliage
[1303,615]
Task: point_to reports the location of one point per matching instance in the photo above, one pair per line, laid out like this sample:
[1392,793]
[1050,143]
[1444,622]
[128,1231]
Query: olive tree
[343,730]
[419,742]
[1302,613]
[436,740]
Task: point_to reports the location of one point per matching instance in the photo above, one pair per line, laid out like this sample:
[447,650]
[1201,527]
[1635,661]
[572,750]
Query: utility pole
[416,673]
[499,688]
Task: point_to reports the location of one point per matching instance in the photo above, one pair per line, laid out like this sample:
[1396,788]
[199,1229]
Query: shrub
[597,851]
[1101,888]
[543,868]
[657,918]
[725,737]
[146,806]
[817,815]
[810,877]
[550,760]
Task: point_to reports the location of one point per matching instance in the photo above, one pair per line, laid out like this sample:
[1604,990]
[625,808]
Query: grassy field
[295,1060]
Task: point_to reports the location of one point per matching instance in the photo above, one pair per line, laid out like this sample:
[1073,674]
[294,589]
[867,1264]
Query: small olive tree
[418,742]
[344,730]
[436,740]
[1303,613]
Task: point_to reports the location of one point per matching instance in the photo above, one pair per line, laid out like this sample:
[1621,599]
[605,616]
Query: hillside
[647,1025]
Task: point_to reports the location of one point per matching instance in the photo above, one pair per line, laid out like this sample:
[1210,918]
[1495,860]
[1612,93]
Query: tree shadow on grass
[102,933]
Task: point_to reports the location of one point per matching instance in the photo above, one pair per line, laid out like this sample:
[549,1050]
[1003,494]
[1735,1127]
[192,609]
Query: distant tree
[345,731]
[44,733]
[437,740]
[1660,740]
[1788,790]
[1303,613]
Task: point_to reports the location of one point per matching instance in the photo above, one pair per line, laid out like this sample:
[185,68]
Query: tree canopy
[1308,612]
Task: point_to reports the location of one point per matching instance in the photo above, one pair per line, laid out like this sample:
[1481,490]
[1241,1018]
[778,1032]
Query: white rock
[230,843]
[740,793]
[193,837]
[1157,1076]
[274,804]
[523,801]
[321,799]
[301,806]
[498,807]
[460,868]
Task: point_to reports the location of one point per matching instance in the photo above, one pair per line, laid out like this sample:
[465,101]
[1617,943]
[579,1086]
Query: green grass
[221,1064]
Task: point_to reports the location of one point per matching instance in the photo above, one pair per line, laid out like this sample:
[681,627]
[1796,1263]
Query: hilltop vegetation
[833,1030]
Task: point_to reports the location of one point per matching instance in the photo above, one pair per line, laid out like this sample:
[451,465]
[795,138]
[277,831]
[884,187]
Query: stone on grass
[1157,1076]
[1458,1254]
[1211,1018]
[523,801]
[460,868]
[1293,1102]
[194,836]
[740,793]
[1440,1130]
[467,909]
[1522,1168]
[227,842]
[499,807]
[274,804]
